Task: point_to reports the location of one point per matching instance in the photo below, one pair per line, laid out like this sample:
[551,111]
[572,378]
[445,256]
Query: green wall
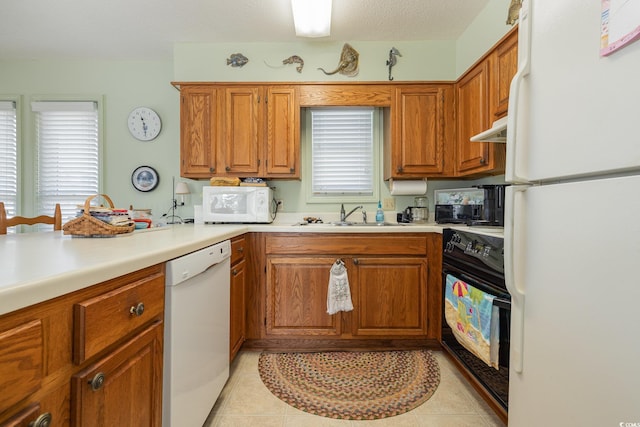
[124,85]
[489,27]
[425,60]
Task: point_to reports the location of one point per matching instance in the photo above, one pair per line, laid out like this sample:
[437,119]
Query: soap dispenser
[379,214]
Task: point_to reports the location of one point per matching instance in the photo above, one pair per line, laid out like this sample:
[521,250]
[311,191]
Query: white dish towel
[339,294]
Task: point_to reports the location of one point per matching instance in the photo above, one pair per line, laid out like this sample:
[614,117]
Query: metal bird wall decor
[393,60]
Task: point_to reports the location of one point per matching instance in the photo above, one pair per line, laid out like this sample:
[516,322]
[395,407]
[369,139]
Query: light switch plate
[389,204]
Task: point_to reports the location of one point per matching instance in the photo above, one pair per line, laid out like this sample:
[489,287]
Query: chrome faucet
[343,216]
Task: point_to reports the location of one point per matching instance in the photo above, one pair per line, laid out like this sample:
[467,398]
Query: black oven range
[476,310]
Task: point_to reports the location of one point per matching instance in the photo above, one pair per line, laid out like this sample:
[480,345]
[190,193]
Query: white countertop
[35,267]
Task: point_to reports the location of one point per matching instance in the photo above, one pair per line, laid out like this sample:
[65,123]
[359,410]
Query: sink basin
[361,224]
[373,224]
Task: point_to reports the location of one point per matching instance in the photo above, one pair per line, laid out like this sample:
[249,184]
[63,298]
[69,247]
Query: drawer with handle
[238,250]
[103,320]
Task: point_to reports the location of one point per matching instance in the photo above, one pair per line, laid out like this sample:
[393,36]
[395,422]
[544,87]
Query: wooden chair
[55,220]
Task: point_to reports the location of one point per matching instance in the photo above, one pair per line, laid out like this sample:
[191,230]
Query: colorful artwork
[620,24]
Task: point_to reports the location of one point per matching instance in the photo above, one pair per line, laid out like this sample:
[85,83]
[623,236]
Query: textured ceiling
[147,29]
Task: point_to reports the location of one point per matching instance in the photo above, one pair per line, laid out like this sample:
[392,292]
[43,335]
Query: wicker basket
[88,226]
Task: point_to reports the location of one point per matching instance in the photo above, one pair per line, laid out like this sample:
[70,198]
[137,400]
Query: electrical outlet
[389,204]
[280,206]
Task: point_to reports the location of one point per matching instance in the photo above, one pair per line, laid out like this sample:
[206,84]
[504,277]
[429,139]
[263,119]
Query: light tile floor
[246,402]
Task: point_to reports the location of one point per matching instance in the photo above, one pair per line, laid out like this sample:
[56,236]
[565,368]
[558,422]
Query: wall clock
[145,178]
[144,123]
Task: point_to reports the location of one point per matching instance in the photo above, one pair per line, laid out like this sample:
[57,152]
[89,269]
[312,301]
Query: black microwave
[489,212]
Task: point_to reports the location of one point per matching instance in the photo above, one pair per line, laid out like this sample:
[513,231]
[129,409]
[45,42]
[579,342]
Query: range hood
[497,133]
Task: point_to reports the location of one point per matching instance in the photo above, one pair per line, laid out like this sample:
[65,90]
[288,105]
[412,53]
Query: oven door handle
[502,303]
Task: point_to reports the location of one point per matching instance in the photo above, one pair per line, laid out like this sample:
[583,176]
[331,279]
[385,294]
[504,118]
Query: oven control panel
[474,248]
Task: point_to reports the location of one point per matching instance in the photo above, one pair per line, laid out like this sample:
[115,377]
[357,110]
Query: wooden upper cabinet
[242,132]
[199,131]
[262,131]
[282,157]
[482,96]
[473,118]
[421,132]
[504,60]
[472,93]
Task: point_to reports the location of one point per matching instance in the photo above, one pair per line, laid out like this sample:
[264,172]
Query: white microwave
[237,204]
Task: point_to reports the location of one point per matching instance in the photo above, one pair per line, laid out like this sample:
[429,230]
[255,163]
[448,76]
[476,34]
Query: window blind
[342,151]
[8,157]
[67,155]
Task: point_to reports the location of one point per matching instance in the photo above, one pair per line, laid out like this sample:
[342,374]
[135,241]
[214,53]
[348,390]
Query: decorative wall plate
[145,178]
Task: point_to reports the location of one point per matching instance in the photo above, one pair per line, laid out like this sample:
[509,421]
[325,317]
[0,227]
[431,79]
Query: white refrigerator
[572,220]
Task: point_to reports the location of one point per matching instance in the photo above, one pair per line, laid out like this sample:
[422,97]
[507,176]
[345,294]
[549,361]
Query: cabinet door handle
[483,160]
[235,272]
[227,168]
[97,381]
[292,170]
[356,261]
[212,170]
[240,249]
[399,169]
[44,420]
[137,310]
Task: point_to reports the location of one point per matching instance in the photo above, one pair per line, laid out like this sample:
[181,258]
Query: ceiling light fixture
[312,18]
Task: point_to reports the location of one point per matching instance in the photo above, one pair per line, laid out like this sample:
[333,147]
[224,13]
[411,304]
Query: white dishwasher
[196,334]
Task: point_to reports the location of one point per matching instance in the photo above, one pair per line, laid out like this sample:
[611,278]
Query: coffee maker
[419,213]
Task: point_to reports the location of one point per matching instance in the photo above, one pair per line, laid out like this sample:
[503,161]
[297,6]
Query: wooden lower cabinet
[296,299]
[237,323]
[51,351]
[121,389]
[391,296]
[388,278]
[237,295]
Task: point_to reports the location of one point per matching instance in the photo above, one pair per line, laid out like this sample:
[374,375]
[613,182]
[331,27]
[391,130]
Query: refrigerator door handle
[524,66]
[513,245]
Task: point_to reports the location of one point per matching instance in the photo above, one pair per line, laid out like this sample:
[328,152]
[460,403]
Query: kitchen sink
[362,224]
[347,224]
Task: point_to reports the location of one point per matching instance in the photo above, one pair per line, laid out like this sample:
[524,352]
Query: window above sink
[342,154]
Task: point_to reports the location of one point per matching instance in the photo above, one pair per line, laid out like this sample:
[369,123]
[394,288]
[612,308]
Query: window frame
[307,171]
[17,101]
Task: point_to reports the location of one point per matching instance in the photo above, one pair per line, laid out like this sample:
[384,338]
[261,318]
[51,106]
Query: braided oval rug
[352,385]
